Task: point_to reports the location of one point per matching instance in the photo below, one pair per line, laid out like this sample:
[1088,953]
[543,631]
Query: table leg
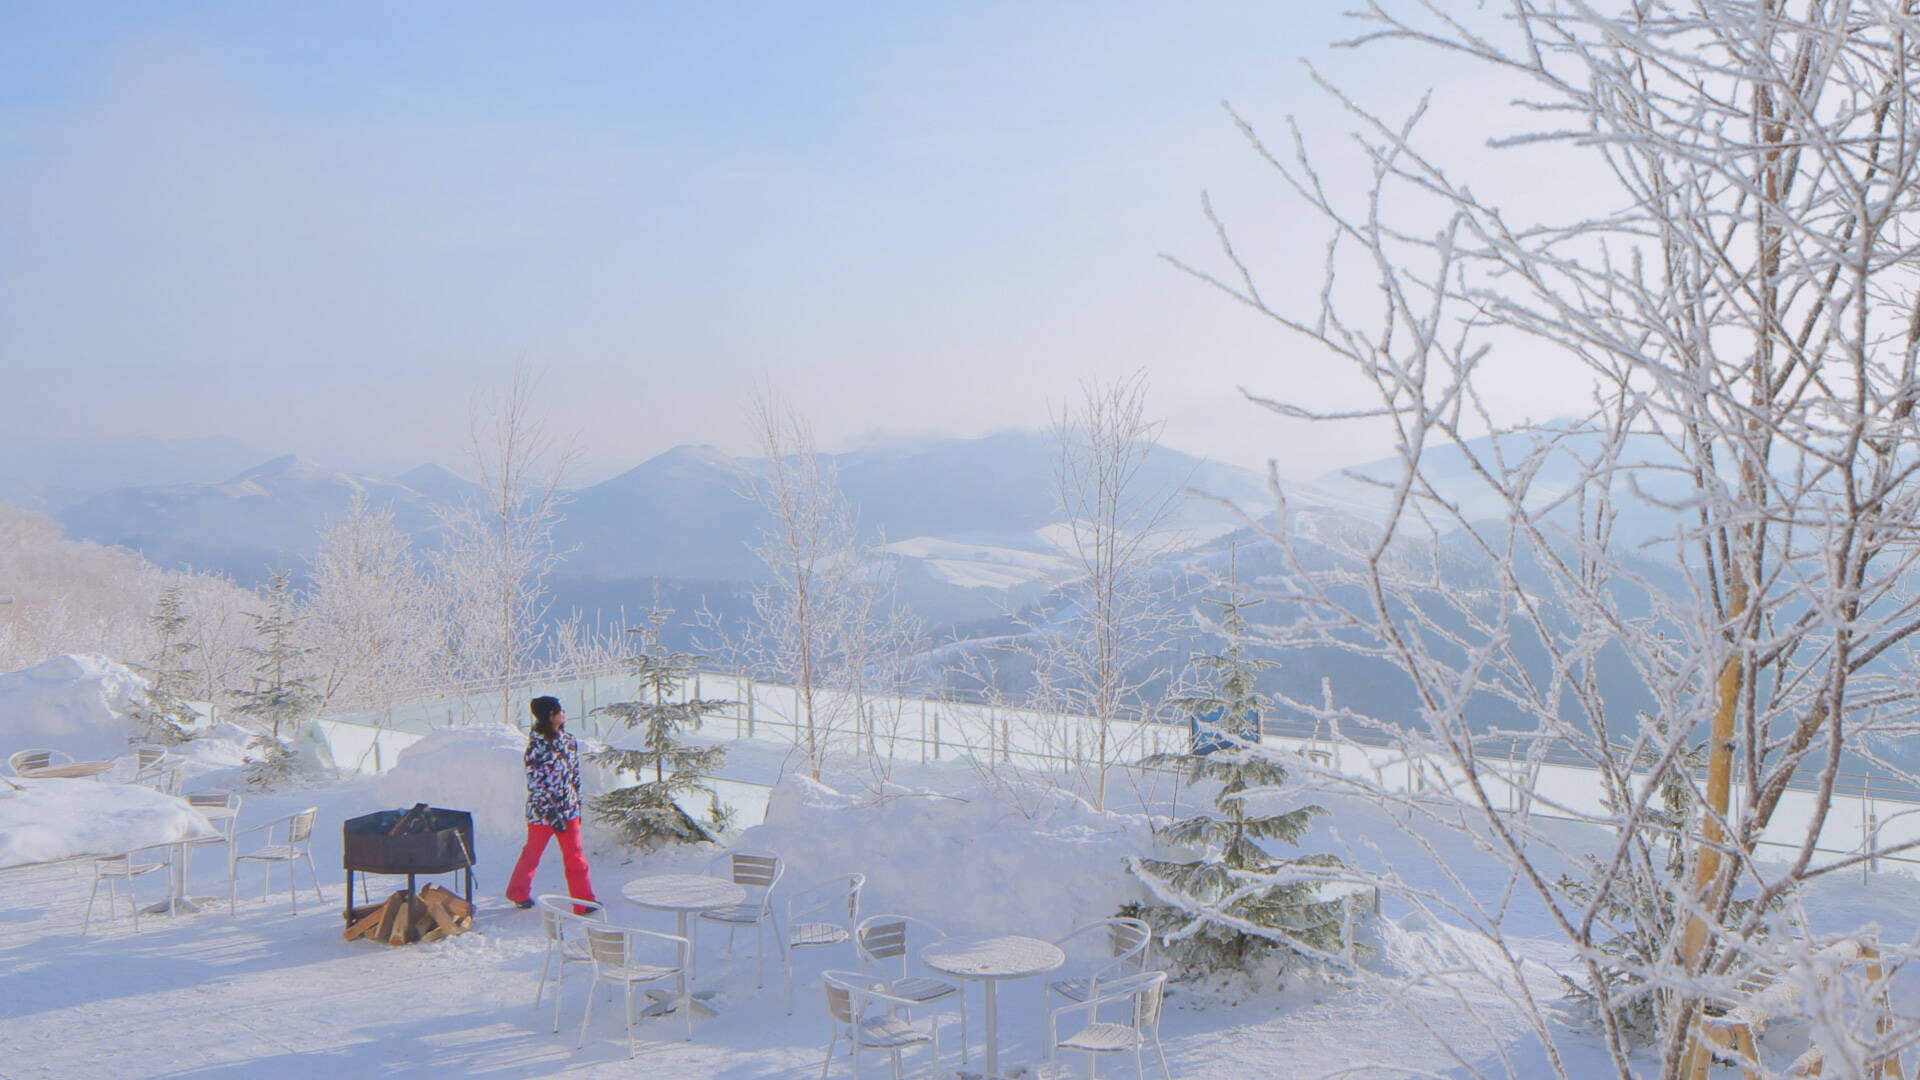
[684,996]
[993,1030]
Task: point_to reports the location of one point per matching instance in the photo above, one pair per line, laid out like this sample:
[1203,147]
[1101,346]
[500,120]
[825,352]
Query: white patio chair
[848,995]
[759,871]
[556,917]
[114,869]
[1142,992]
[1124,953]
[27,762]
[298,846]
[614,951]
[884,941]
[149,762]
[815,918]
[223,824]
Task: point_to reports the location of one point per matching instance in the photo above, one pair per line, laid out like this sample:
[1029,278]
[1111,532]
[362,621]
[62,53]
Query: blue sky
[324,228]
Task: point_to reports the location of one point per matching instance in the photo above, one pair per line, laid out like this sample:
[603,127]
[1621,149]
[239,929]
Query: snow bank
[75,703]
[1001,858]
[60,819]
[481,769]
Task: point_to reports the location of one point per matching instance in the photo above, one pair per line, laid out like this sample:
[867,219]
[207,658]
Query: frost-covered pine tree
[1235,903]
[648,813]
[167,715]
[282,693]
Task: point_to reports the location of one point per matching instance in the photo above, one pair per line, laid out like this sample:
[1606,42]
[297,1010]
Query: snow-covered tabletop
[990,959]
[1007,956]
[684,892]
[49,820]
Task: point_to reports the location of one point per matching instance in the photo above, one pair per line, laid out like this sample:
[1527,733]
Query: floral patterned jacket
[553,779]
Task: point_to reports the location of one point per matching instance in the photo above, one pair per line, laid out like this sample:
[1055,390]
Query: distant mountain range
[972,522]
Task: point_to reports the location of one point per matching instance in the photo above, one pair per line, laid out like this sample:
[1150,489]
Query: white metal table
[683,894]
[177,901]
[989,960]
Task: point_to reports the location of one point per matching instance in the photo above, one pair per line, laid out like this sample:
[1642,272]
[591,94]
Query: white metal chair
[848,995]
[759,871]
[149,763]
[815,918]
[1142,992]
[25,763]
[114,869]
[1124,953]
[223,824]
[298,846]
[556,917]
[614,951]
[889,938]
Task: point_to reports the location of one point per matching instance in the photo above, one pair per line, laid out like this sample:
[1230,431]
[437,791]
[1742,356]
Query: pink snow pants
[579,884]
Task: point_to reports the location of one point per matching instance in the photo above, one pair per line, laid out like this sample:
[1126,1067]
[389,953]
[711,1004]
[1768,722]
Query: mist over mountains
[967,520]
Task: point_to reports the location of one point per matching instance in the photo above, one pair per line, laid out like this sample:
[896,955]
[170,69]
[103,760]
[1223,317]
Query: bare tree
[498,547]
[1095,650]
[828,617]
[369,609]
[1746,317]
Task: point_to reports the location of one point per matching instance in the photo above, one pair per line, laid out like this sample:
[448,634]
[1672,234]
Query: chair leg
[630,1049]
[585,1020]
[91,893]
[559,992]
[293,892]
[828,1063]
[759,956]
[1162,1055]
[787,955]
[687,1008]
[133,906]
[315,876]
[542,988]
[896,1065]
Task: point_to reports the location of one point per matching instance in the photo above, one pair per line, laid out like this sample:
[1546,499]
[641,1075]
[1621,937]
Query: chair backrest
[36,759]
[845,993]
[888,936]
[300,826]
[171,779]
[1146,1009]
[226,822]
[1147,989]
[557,908]
[145,757]
[759,871]
[608,945]
[883,937]
[1128,938]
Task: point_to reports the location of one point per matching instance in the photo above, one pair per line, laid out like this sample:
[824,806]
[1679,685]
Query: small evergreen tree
[166,714]
[648,813]
[283,692]
[1207,904]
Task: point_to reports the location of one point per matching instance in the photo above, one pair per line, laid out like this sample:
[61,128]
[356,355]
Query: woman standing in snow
[553,806]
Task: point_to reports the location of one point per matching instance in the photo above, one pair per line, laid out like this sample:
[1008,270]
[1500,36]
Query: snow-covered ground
[272,992]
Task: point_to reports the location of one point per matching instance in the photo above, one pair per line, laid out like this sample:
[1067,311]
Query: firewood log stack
[393,921]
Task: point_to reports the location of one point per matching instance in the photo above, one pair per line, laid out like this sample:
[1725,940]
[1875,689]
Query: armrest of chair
[268,825]
[818,897]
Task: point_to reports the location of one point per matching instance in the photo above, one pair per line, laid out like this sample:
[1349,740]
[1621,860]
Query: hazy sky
[324,228]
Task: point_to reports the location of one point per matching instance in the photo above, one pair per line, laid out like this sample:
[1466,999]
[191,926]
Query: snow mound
[42,820]
[74,703]
[480,769]
[993,859]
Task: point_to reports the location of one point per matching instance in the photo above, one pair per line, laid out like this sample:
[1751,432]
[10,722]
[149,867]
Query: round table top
[683,892]
[1006,956]
[68,771]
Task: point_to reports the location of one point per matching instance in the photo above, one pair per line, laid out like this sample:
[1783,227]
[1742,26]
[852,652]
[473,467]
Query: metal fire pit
[445,846]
